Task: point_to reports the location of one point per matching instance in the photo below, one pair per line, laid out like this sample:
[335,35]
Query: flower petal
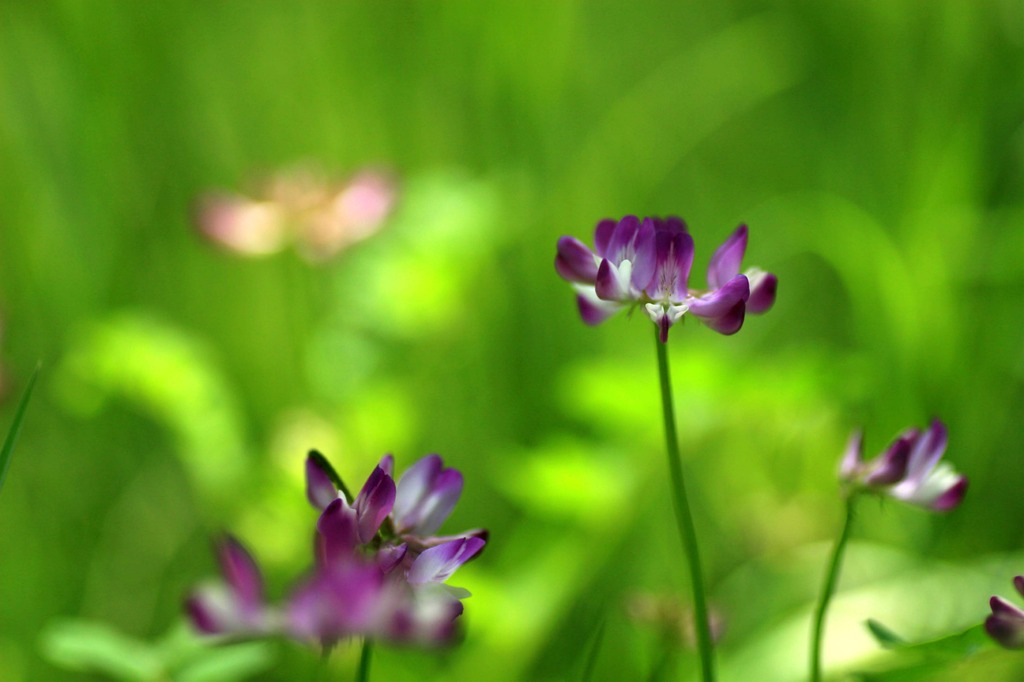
[337,533]
[439,504]
[603,236]
[622,243]
[593,310]
[927,451]
[374,503]
[241,573]
[952,497]
[673,257]
[853,457]
[891,466]
[724,309]
[763,286]
[613,281]
[320,490]
[413,487]
[725,263]
[438,563]
[1006,624]
[575,262]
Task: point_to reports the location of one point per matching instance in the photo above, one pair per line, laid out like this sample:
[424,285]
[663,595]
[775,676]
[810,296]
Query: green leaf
[12,435]
[228,663]
[887,639]
[88,646]
[923,660]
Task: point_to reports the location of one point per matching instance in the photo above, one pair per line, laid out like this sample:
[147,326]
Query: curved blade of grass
[12,435]
[595,651]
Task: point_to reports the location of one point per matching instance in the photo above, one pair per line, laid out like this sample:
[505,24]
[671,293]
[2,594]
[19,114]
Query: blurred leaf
[12,434]
[227,663]
[95,647]
[886,637]
[922,660]
[169,375]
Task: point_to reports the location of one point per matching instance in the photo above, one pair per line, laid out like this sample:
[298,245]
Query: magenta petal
[593,310]
[575,262]
[390,556]
[927,451]
[1008,631]
[337,533]
[644,261]
[387,465]
[320,489]
[438,563]
[891,466]
[721,301]
[1001,607]
[1018,583]
[241,573]
[622,243]
[671,223]
[603,236]
[853,457]
[203,614]
[953,496]
[440,502]
[374,503]
[763,286]
[673,257]
[413,487]
[607,285]
[344,601]
[729,323]
[725,263]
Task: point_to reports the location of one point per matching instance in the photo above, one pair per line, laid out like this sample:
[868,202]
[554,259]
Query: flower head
[373,575]
[647,262]
[234,606]
[321,216]
[1006,624]
[908,470]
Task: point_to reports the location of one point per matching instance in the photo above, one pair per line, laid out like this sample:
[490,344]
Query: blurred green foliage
[875,149]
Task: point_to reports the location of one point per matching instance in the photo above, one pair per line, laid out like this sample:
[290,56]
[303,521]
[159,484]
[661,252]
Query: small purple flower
[374,576]
[648,263]
[908,470]
[1006,624]
[234,606]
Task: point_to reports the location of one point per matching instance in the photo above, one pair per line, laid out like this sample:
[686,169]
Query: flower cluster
[319,216]
[909,470]
[647,262]
[379,570]
[1006,624]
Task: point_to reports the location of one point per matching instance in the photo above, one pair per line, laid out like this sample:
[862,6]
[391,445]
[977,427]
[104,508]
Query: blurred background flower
[298,206]
[876,149]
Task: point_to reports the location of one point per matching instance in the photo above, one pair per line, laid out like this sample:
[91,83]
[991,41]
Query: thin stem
[595,650]
[364,661]
[684,519]
[828,590]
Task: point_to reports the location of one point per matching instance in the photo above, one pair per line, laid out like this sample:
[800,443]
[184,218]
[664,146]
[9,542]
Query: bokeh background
[876,151]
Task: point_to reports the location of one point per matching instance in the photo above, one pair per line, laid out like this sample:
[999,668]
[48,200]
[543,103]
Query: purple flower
[1006,624]
[908,470]
[359,599]
[234,606]
[374,576]
[648,263]
[411,512]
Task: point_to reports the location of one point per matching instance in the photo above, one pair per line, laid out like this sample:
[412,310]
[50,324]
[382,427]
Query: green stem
[828,589]
[364,661]
[684,519]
